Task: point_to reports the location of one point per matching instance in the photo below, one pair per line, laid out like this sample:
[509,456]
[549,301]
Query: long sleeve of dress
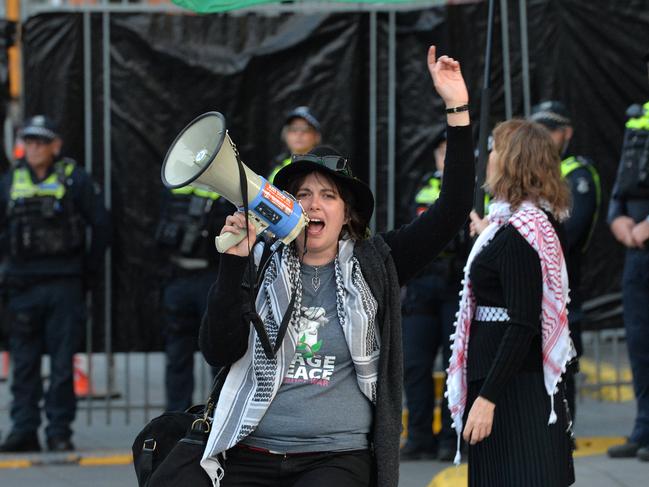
[521,279]
[416,244]
[223,336]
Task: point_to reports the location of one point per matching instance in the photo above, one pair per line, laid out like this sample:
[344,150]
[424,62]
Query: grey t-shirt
[319,406]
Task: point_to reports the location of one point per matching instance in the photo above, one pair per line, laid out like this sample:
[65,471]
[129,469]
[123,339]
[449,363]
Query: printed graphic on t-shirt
[308,365]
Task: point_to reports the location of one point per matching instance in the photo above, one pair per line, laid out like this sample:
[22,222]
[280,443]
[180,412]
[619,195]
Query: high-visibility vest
[43,222]
[641,122]
[571,164]
[429,193]
[278,168]
[22,185]
[192,191]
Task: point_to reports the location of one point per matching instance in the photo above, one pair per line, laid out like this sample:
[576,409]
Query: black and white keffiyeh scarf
[253,380]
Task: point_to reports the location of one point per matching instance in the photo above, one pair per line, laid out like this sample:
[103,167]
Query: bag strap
[146,462]
[251,315]
[217,385]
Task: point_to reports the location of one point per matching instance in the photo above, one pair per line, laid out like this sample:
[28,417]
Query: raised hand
[448,79]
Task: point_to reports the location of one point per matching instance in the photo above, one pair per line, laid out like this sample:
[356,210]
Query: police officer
[190,219]
[300,133]
[628,218]
[428,309]
[46,205]
[585,190]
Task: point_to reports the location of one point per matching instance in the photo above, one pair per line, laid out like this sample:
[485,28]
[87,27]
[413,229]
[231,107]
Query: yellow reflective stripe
[21,186]
[641,123]
[201,193]
[183,190]
[429,194]
[278,168]
[568,165]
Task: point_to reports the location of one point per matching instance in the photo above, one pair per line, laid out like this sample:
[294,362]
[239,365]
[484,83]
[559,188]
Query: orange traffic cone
[19,150]
[4,366]
[82,383]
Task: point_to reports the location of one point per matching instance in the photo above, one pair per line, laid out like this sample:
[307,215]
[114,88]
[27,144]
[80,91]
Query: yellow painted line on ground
[451,477]
[596,445]
[89,461]
[110,460]
[588,446]
[607,373]
[15,463]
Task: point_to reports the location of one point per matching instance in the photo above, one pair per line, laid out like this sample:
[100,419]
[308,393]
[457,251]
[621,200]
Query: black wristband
[461,108]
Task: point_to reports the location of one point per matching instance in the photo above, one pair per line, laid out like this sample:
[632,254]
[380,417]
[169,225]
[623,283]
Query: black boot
[626,450]
[59,444]
[21,442]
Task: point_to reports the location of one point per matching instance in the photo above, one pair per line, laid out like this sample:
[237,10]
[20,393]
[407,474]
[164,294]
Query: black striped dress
[505,366]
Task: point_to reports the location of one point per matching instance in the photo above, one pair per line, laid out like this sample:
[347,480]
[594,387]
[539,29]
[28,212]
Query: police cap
[304,113]
[39,127]
[552,114]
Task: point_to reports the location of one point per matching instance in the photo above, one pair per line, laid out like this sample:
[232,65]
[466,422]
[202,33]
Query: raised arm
[417,243]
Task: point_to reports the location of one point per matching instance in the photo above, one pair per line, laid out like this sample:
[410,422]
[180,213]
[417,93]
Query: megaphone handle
[228,240]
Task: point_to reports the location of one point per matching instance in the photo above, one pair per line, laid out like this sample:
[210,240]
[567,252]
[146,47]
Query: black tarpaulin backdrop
[7,39]
[167,69]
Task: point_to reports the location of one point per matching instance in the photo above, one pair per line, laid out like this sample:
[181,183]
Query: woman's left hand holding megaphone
[236,224]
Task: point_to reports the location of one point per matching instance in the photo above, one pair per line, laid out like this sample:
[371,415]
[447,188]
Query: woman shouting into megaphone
[326,408]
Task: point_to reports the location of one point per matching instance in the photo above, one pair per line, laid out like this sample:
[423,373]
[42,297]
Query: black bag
[168,451]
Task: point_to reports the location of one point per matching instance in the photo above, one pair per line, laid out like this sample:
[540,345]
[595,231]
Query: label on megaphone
[278,209]
[270,210]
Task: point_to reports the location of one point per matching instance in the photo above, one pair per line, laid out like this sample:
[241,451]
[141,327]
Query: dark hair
[355,228]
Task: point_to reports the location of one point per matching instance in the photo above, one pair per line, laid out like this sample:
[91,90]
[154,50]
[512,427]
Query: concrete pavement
[103,444]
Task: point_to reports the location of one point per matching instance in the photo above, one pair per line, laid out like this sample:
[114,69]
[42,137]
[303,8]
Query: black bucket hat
[329,161]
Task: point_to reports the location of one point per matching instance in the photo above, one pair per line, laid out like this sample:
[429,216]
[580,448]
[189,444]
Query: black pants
[184,301]
[247,468]
[47,317]
[428,315]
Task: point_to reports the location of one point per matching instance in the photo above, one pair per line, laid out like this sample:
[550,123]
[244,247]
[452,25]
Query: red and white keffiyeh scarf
[533,224]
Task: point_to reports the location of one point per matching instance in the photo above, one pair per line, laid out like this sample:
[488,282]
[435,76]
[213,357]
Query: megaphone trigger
[228,240]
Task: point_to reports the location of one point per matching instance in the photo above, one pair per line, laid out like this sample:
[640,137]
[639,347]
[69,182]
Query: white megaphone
[204,156]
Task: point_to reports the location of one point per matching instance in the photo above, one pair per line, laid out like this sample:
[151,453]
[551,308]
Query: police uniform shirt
[86,198]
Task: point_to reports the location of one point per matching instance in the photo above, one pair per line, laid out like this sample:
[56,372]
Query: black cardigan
[387,262]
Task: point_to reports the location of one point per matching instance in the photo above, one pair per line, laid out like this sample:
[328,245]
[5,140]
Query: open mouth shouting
[315,227]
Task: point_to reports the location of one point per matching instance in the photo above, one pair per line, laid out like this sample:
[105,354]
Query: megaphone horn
[204,156]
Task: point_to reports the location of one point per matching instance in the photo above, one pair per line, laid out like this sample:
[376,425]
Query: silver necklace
[315,279]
